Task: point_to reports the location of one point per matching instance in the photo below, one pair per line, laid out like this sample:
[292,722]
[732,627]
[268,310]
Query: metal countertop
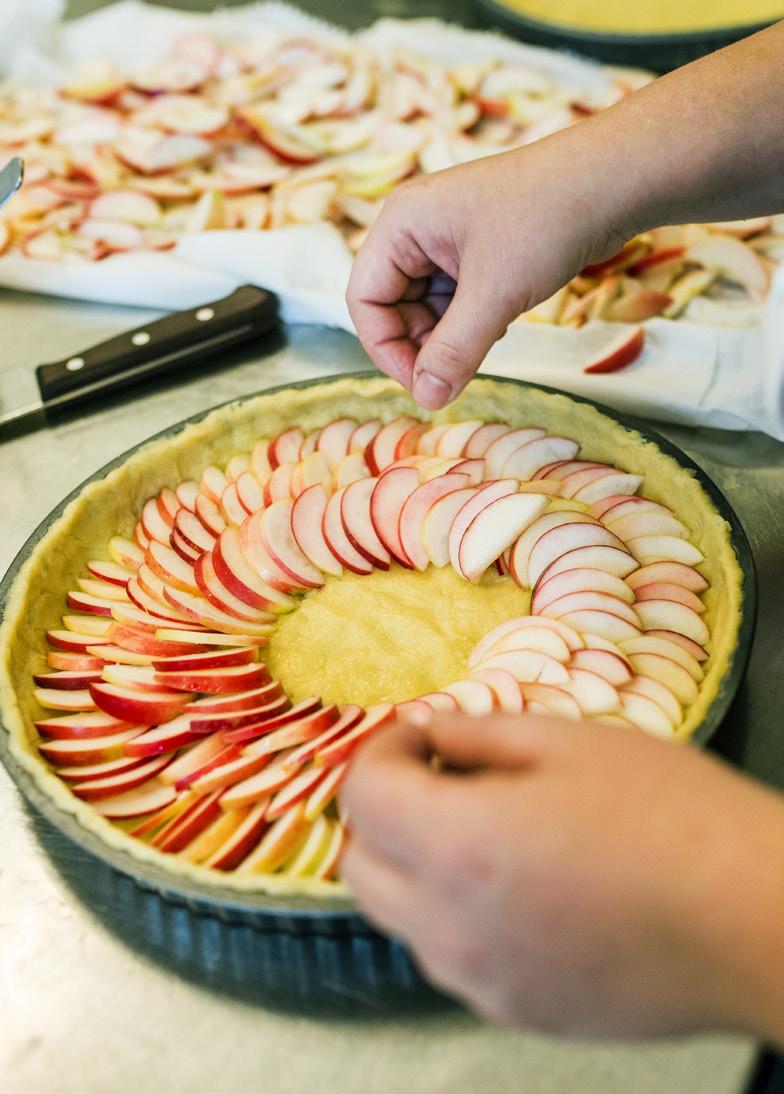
[105,991]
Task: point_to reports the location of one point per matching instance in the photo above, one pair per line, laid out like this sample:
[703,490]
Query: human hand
[454,257]
[575,878]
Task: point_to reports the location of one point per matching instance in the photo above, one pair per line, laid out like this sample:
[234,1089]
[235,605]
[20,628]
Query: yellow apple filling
[388,636]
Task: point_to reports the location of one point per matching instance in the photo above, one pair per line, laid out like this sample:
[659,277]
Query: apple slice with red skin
[155,527]
[133,705]
[165,815]
[734,260]
[212,659]
[563,468]
[694,648]
[633,525]
[228,773]
[589,600]
[198,641]
[73,662]
[592,692]
[334,439]
[277,537]
[510,626]
[227,754]
[566,537]
[212,483]
[184,550]
[596,557]
[201,611]
[481,498]
[389,495]
[132,676]
[667,647]
[125,553]
[336,539]
[246,557]
[325,791]
[500,450]
[607,485]
[299,788]
[117,654]
[414,510]
[667,672]
[338,751]
[381,450]
[84,724]
[349,716]
[140,538]
[621,505]
[137,619]
[166,564]
[439,701]
[148,798]
[672,616]
[526,460]
[278,842]
[657,692]
[473,696]
[581,580]
[438,521]
[646,714]
[604,624]
[298,732]
[110,572]
[233,720]
[193,759]
[307,515]
[88,624]
[191,824]
[280,484]
[521,551]
[164,613]
[217,681]
[674,573]
[213,590]
[241,700]
[363,434]
[98,771]
[260,785]
[620,351]
[657,548]
[453,440]
[314,849]
[118,783]
[608,665]
[188,531]
[144,642]
[67,680]
[553,700]
[473,469]
[249,493]
[350,469]
[70,641]
[494,529]
[542,639]
[428,442]
[289,714]
[409,442]
[242,841]
[662,590]
[208,512]
[508,696]
[527,666]
[75,751]
[355,514]
[477,445]
[214,836]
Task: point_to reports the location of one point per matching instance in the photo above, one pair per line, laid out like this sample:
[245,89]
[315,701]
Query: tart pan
[337,916]
[657,52]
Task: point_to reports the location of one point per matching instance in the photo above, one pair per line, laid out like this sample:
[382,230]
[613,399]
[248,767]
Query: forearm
[703,143]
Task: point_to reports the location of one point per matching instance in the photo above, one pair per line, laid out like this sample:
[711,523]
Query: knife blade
[11,178]
[179,339]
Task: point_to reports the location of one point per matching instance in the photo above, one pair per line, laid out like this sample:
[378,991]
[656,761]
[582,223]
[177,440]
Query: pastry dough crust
[109,506]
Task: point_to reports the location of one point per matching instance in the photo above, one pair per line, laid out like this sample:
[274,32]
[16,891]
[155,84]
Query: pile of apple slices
[256,135]
[160,711]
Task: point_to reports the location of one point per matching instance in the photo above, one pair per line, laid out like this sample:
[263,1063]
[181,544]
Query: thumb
[476,318]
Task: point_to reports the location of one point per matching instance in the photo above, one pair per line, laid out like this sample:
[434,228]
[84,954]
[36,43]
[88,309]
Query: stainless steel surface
[11,178]
[105,991]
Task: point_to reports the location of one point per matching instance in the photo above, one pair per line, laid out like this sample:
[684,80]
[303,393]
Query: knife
[182,338]
[11,178]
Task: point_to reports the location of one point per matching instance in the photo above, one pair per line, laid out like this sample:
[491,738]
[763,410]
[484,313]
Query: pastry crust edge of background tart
[110,506]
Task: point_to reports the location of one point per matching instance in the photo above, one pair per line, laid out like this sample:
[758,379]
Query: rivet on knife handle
[178,339]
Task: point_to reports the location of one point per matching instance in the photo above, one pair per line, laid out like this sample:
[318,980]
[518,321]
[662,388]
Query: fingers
[387,895]
[475,319]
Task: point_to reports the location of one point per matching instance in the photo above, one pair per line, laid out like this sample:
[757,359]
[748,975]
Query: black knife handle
[178,339]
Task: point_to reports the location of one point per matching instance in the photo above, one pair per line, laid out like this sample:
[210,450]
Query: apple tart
[196,647]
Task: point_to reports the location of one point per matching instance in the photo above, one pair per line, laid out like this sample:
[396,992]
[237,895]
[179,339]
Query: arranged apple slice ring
[160,707]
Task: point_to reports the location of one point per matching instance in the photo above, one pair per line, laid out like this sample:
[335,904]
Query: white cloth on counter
[728,377]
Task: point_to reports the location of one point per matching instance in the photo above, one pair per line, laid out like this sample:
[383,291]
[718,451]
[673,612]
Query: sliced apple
[668,672]
[481,498]
[234,566]
[338,751]
[242,840]
[508,696]
[553,700]
[249,493]
[134,705]
[671,616]
[634,525]
[618,353]
[454,439]
[589,600]
[497,453]
[494,529]
[733,259]
[187,827]
[541,639]
[350,715]
[579,580]
[658,693]
[527,666]
[351,468]
[325,792]
[665,548]
[257,729]
[563,538]
[389,495]
[620,504]
[674,573]
[592,692]
[646,714]
[521,551]
[602,662]
[68,680]
[662,590]
[666,647]
[607,485]
[84,724]
[415,509]
[77,751]
[473,696]
[611,559]
[526,460]
[337,540]
[148,798]
[604,624]
[381,451]
[298,731]
[357,524]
